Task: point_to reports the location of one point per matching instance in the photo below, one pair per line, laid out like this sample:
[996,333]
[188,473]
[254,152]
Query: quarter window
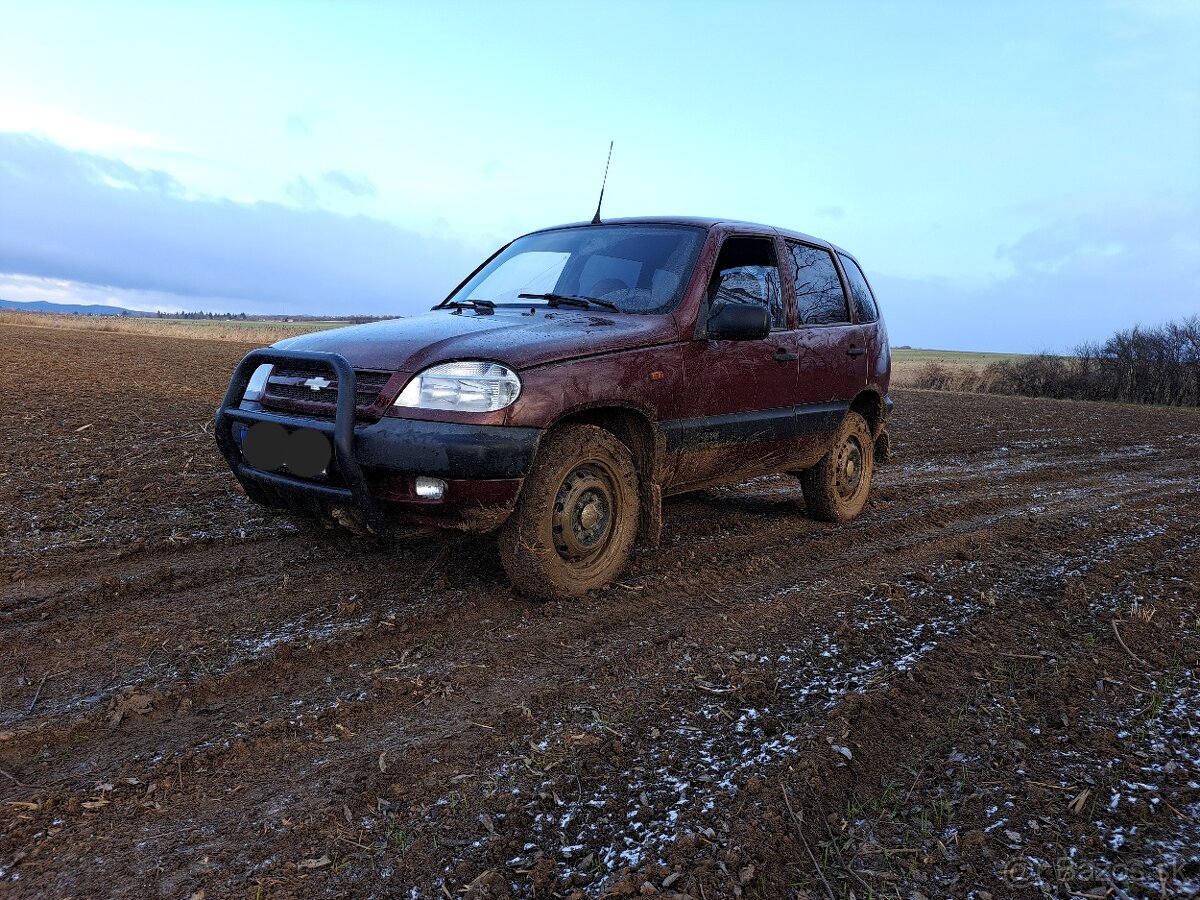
[819,297]
[747,272]
[864,301]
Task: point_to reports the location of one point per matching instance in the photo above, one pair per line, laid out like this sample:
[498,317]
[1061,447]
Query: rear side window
[747,272]
[864,301]
[819,297]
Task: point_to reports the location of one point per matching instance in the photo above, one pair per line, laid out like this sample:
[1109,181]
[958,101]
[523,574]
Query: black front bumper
[445,450]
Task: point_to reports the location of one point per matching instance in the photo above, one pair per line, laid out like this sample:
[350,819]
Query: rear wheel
[836,488]
[576,521]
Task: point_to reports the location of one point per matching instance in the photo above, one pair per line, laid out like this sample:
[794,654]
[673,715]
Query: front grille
[287,391]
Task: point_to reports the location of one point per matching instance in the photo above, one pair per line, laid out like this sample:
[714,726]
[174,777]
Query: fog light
[430,488]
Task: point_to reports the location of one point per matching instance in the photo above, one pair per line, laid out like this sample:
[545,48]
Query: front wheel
[576,521]
[836,488]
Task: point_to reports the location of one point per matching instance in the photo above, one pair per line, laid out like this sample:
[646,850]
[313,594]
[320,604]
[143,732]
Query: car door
[832,364]
[739,410]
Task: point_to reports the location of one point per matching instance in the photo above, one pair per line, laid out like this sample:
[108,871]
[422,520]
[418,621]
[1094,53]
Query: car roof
[701,222]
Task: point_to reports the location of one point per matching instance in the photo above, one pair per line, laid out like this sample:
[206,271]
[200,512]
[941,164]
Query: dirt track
[992,672]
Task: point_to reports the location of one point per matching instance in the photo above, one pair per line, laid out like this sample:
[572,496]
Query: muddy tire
[836,488]
[577,518]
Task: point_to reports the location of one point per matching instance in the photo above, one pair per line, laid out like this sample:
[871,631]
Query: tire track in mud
[438,724]
[904,492]
[1090,543]
[917,480]
[826,545]
[621,833]
[1050,649]
[810,542]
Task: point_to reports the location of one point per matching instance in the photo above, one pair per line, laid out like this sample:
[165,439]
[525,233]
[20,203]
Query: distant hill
[84,309]
[98,309]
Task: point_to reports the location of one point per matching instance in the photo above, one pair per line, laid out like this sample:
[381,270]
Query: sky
[1012,176]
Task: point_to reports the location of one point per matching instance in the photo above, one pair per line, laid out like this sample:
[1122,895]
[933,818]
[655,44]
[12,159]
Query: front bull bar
[357,493]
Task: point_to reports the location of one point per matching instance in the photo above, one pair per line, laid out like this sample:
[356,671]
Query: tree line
[201,315]
[242,317]
[1139,365]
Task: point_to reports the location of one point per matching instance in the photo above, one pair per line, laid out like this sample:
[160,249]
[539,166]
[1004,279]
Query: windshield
[632,268]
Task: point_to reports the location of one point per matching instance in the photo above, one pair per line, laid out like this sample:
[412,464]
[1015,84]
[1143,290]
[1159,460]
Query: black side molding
[760,425]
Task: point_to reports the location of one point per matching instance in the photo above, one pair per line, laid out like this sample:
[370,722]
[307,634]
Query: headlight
[473,386]
[257,383]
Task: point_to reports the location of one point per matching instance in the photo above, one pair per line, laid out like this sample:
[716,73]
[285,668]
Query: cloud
[31,289]
[302,191]
[78,224]
[1079,278]
[1168,231]
[298,126]
[70,129]
[1187,11]
[85,218]
[308,194]
[830,212]
[353,184]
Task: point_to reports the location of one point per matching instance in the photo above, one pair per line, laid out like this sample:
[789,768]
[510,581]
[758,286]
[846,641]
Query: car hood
[514,337]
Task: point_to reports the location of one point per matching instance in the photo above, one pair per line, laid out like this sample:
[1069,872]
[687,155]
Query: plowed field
[987,685]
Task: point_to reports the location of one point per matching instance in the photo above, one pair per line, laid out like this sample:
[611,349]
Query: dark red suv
[572,381]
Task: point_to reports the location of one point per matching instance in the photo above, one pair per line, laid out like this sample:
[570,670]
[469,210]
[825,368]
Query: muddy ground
[984,687]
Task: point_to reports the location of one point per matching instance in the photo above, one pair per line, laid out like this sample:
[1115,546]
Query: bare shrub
[1158,365]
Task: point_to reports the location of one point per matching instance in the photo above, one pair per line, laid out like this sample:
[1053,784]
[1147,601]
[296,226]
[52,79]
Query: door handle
[782,355]
[856,351]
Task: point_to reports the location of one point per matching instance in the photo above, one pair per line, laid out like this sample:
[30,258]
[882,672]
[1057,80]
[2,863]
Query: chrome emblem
[317,383]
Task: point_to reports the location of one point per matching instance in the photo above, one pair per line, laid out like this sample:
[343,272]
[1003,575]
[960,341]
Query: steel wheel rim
[584,512]
[849,468]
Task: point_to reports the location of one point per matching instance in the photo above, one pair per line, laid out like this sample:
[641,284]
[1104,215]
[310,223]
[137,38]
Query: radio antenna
[596,217]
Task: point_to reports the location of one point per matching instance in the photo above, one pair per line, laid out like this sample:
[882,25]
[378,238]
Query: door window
[747,272]
[819,296]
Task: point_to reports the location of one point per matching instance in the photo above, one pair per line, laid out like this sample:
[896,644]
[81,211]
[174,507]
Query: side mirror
[739,322]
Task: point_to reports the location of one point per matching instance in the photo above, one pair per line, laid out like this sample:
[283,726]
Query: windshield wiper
[483,307]
[568,300]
